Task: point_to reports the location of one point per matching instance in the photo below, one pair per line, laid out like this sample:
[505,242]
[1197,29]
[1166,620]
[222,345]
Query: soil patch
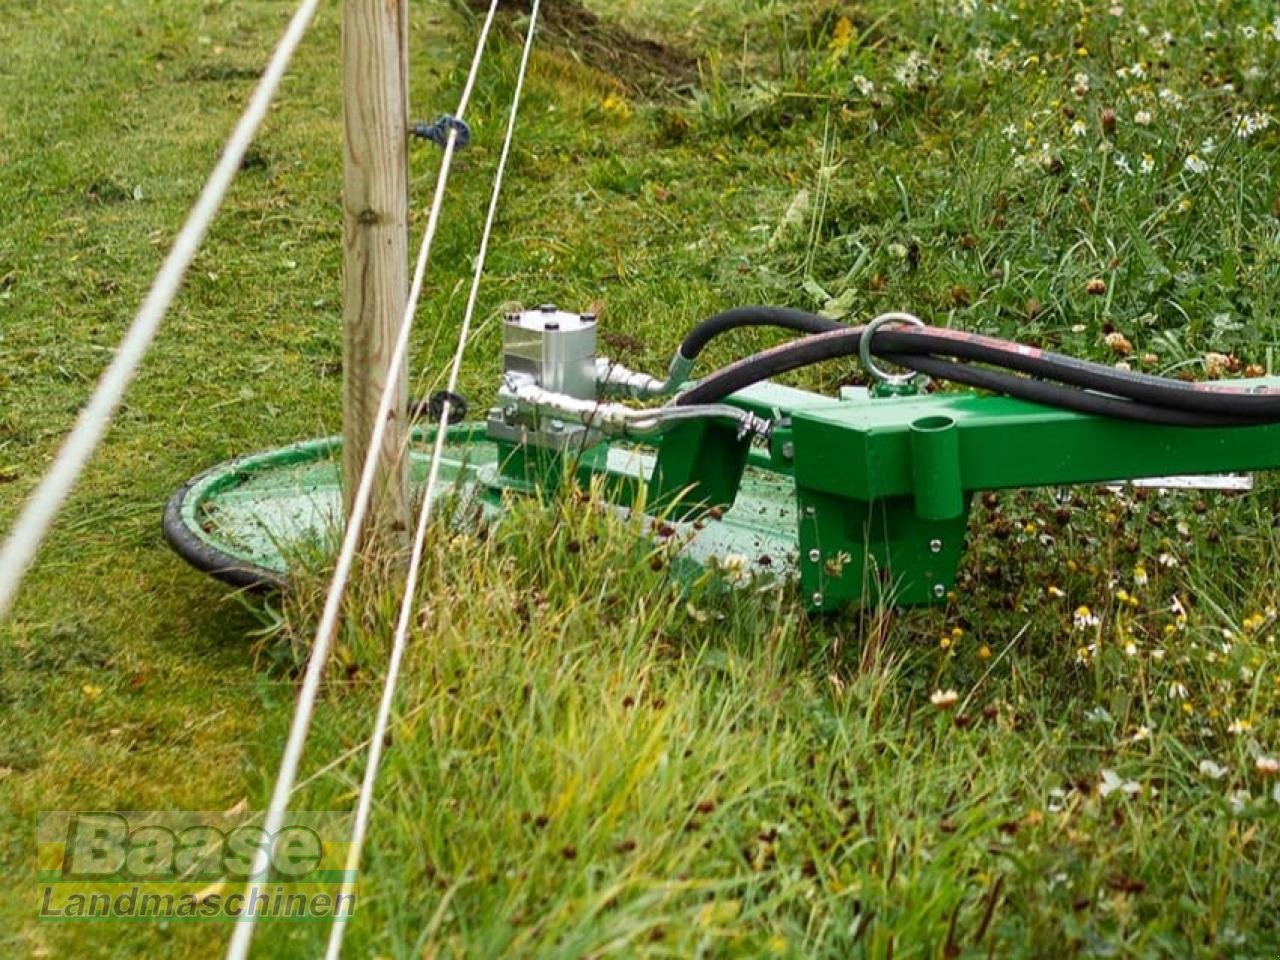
[645,66]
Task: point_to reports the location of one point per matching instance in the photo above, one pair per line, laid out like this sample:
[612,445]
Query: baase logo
[101,845]
[184,865]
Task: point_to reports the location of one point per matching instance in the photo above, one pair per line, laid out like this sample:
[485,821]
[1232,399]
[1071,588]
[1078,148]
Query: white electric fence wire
[241,937]
[376,742]
[32,525]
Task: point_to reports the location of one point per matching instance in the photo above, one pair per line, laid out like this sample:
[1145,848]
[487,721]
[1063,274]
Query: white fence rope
[242,936]
[32,525]
[365,803]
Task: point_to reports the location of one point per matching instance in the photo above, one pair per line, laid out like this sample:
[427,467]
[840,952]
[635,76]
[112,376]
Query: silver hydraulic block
[554,389]
[556,351]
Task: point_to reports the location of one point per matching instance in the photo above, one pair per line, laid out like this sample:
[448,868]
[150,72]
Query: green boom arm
[883,486]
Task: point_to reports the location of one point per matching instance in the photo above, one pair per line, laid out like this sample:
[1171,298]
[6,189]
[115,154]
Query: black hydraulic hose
[792,355]
[1221,399]
[784,318]
[1059,396]
[1218,404]
[810,350]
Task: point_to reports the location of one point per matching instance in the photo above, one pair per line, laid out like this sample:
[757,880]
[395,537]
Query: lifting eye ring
[894,381]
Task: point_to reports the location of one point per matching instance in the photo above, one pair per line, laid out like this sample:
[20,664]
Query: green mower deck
[247,521]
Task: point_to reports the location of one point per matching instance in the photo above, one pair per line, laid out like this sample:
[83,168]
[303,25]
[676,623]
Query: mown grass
[587,761]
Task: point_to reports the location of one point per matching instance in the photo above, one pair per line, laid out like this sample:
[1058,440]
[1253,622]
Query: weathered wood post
[375,240]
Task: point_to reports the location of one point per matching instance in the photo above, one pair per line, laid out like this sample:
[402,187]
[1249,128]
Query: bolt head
[939,591]
[935,546]
[788,450]
[815,555]
[816,599]
[548,308]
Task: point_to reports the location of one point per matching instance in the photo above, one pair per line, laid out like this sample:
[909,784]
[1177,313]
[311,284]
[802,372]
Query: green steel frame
[883,484]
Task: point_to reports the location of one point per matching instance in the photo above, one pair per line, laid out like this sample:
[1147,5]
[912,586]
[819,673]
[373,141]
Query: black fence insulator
[438,131]
[434,407]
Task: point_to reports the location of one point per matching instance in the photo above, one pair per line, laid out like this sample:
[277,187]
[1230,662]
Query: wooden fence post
[375,243]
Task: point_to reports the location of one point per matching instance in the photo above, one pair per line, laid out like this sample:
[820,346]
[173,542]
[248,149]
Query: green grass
[587,762]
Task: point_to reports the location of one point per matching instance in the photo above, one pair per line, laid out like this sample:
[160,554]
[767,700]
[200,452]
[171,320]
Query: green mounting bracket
[699,467]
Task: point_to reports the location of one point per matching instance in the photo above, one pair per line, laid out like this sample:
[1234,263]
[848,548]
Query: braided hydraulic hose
[1077,384]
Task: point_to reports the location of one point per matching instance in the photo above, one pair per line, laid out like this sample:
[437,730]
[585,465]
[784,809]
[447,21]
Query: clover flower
[915,72]
[1193,164]
[1112,781]
[944,699]
[1212,770]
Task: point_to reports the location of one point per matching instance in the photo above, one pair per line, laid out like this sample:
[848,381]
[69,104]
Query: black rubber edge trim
[209,559]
